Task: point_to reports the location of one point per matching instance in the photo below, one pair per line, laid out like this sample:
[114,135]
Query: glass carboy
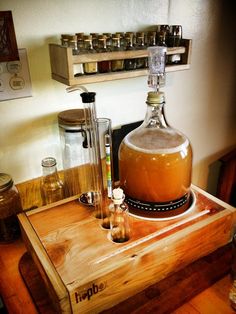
[155,163]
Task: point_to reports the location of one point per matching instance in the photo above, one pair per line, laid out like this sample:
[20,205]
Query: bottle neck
[50,171]
[49,167]
[155,116]
[120,207]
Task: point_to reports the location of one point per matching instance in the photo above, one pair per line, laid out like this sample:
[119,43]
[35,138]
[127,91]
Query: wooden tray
[85,272]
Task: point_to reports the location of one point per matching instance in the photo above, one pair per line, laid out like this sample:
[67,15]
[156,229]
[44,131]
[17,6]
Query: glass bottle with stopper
[119,218]
[155,160]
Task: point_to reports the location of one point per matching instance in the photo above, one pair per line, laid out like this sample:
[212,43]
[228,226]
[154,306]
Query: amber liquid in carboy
[156,171]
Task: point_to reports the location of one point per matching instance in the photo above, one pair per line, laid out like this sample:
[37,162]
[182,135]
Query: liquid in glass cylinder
[156,175]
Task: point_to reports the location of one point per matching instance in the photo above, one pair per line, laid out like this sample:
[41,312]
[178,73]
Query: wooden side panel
[186,57]
[60,60]
[55,286]
[30,193]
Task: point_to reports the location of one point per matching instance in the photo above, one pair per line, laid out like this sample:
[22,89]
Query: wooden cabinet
[63,61]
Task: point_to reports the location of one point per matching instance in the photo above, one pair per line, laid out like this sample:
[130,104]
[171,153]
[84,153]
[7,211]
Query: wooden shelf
[62,61]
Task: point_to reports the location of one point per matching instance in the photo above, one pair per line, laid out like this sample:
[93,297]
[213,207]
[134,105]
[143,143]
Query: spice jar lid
[5,181]
[71,117]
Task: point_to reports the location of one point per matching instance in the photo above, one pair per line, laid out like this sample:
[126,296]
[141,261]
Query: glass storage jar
[10,206]
[75,151]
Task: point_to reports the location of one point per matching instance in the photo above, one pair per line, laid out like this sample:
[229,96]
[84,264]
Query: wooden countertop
[18,300]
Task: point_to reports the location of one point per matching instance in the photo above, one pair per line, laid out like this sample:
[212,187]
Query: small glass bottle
[94,40]
[122,39]
[65,40]
[133,35]
[72,43]
[89,67]
[10,206]
[119,218]
[80,42]
[78,67]
[173,40]
[52,188]
[162,34]
[108,40]
[141,63]
[130,64]
[103,66]
[151,38]
[117,65]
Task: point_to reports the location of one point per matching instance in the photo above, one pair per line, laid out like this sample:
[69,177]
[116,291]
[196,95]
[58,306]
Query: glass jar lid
[6,182]
[71,117]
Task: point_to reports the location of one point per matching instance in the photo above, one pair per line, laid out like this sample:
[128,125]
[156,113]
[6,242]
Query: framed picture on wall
[8,44]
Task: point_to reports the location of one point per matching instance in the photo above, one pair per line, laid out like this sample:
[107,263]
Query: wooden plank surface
[86,79]
[58,52]
[171,292]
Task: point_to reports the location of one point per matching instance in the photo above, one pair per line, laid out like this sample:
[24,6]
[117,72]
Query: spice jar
[117,65]
[141,62]
[105,65]
[89,67]
[130,64]
[10,206]
[174,40]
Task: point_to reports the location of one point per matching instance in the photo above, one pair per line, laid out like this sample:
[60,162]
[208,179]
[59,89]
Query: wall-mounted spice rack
[62,63]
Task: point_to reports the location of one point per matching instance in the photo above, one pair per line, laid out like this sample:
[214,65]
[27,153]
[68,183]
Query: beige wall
[200,101]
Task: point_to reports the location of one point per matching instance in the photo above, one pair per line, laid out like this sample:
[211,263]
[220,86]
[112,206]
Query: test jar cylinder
[75,151]
[88,99]
[104,144]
